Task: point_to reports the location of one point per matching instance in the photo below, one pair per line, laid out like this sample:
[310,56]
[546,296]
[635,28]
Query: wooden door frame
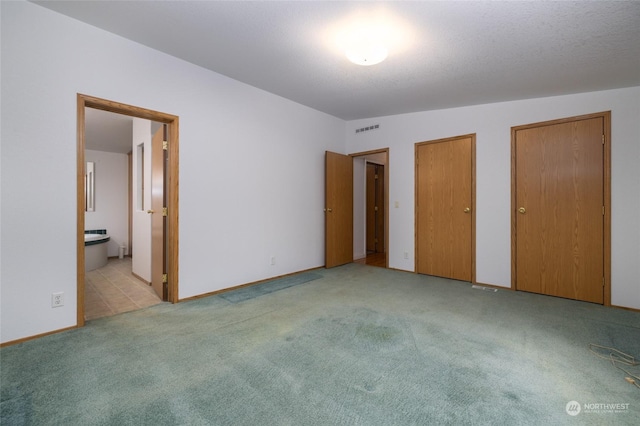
[171,237]
[473,198]
[606,116]
[386,194]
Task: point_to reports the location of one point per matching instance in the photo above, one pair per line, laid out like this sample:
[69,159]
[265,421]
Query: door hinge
[165,278]
[375,176]
[602,281]
[375,208]
[602,139]
[165,211]
[602,210]
[165,145]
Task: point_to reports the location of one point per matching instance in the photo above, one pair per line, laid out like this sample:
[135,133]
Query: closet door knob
[522,210]
[467,210]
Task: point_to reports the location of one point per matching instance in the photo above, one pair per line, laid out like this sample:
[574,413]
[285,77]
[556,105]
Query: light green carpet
[245,293]
[358,346]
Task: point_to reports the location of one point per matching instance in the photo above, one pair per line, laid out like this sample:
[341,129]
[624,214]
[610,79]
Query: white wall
[492,124]
[111,198]
[251,174]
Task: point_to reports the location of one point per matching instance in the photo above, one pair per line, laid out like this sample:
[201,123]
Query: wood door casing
[559,224]
[338,209]
[445,191]
[172,194]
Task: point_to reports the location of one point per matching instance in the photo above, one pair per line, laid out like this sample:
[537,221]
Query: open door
[158,158]
[338,209]
[141,214]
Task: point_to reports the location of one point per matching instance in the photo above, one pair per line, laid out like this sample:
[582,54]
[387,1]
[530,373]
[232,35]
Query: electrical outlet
[406,254]
[273,260]
[57,300]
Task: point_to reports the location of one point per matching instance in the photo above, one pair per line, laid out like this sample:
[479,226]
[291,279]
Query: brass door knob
[522,210]
[467,210]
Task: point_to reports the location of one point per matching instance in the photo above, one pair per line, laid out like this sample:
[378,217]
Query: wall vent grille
[366,129]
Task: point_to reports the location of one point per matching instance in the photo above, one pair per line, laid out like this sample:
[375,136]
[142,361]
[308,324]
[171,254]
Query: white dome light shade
[367,54]
[365,43]
[367,37]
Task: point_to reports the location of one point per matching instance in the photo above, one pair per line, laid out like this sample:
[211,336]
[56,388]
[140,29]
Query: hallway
[374,259]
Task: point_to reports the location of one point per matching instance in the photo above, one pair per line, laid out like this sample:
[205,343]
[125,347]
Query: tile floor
[113,289]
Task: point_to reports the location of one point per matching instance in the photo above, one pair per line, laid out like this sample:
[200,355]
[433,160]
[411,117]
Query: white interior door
[141,232]
[157,217]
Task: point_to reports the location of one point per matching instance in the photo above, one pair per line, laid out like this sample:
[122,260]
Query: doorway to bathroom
[152,171]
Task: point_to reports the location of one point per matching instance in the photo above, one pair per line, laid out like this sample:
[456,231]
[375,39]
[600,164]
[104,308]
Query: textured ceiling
[453,53]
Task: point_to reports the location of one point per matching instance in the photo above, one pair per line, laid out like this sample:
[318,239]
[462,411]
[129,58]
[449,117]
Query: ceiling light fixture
[367,54]
[366,44]
[368,37]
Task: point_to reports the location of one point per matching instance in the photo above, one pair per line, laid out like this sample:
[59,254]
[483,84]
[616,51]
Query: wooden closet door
[444,208]
[559,201]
